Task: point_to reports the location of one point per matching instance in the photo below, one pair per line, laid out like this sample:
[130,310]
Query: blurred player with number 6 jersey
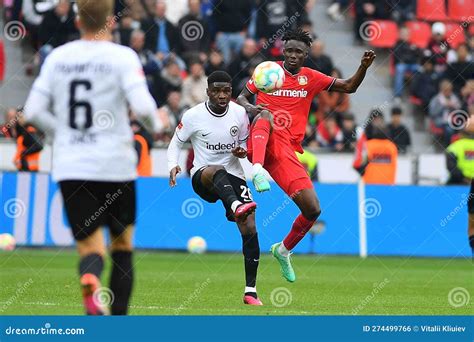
[88,84]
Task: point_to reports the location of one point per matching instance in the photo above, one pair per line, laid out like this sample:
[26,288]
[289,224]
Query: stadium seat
[420,33]
[460,10]
[385,33]
[455,34]
[431,10]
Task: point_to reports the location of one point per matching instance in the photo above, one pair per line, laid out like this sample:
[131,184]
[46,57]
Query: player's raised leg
[251,252]
[121,278]
[308,203]
[216,179]
[91,252]
[260,134]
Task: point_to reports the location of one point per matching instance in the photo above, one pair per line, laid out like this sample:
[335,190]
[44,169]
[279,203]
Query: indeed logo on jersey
[220,146]
[289,93]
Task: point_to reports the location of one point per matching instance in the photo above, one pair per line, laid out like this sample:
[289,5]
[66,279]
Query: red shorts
[282,164]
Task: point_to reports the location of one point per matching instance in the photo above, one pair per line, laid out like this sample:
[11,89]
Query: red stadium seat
[455,34]
[461,10]
[382,33]
[431,10]
[420,33]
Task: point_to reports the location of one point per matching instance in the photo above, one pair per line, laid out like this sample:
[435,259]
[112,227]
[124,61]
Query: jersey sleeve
[185,128]
[250,85]
[244,130]
[43,83]
[321,81]
[132,74]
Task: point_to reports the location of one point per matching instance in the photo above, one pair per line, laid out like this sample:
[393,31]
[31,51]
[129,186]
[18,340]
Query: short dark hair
[299,35]
[219,76]
[396,111]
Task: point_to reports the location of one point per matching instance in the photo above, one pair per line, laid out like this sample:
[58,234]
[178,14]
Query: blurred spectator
[300,9]
[271,16]
[350,132]
[231,18]
[143,142]
[424,84]
[367,10]
[377,160]
[402,10]
[397,131]
[169,80]
[161,36]
[329,135]
[336,8]
[460,71]
[32,20]
[151,65]
[333,103]
[460,156]
[238,68]
[440,108]
[170,114]
[176,10]
[125,30]
[376,119]
[467,94]
[438,47]
[215,62]
[194,86]
[318,60]
[29,144]
[3,61]
[9,127]
[470,44]
[310,162]
[57,28]
[195,38]
[406,57]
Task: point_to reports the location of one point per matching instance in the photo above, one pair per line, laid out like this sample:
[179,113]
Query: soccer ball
[197,245]
[268,76]
[7,242]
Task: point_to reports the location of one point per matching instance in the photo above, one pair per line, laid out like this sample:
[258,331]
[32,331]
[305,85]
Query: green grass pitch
[44,282]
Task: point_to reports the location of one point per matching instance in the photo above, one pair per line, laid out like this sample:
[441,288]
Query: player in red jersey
[278,130]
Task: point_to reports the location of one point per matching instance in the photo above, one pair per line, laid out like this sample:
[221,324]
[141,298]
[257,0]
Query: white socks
[234,205]
[282,250]
[250,289]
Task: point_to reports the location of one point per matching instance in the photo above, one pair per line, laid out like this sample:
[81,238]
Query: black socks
[121,281]
[251,251]
[92,263]
[223,188]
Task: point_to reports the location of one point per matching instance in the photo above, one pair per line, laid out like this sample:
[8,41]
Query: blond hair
[93,13]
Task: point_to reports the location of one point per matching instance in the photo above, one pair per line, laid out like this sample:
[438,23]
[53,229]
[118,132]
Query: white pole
[362,220]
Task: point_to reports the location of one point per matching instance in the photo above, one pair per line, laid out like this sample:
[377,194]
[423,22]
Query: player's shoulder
[234,107]
[195,112]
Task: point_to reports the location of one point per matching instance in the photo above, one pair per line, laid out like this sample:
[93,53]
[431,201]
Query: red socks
[260,134]
[298,231]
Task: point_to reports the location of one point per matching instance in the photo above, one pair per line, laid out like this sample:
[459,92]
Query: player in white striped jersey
[218,130]
[88,84]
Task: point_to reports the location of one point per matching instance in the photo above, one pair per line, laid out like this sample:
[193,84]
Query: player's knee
[121,244]
[312,213]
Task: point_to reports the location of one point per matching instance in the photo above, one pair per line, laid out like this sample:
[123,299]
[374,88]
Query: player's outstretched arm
[243,100]
[173,152]
[350,85]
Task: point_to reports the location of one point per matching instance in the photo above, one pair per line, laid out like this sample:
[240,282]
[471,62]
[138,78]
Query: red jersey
[290,104]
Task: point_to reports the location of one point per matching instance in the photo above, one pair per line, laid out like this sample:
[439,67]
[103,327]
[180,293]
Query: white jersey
[213,137]
[87,84]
